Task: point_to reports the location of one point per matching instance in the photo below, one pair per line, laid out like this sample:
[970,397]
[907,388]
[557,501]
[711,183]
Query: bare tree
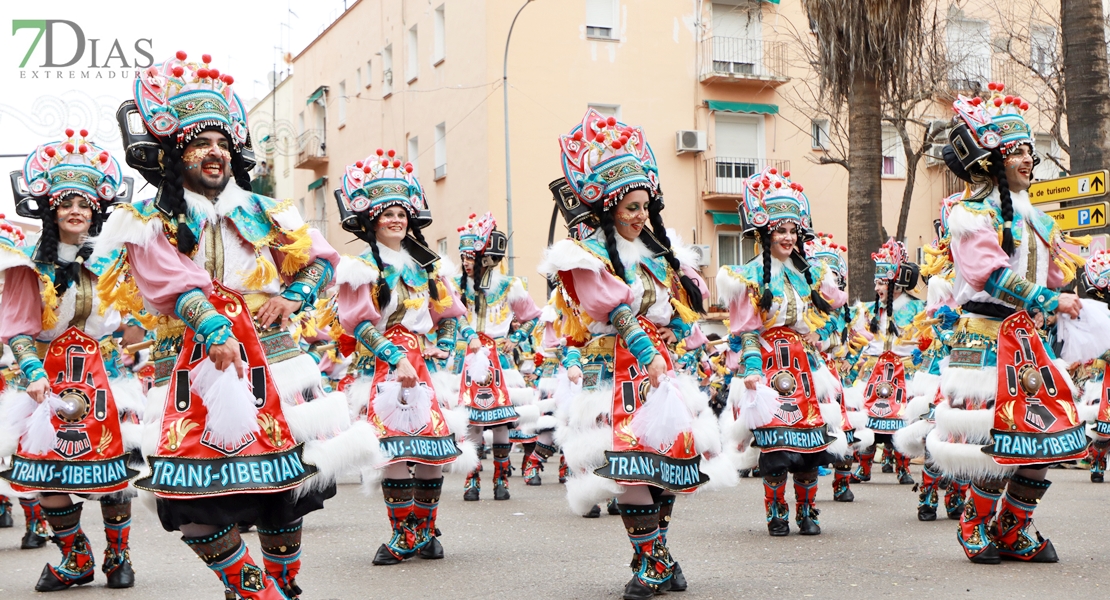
[1086,83]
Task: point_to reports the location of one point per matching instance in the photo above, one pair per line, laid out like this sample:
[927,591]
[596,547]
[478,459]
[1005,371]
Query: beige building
[719,88]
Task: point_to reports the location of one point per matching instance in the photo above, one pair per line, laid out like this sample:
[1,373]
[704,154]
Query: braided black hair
[998,170]
[798,258]
[240,172]
[873,326]
[767,298]
[65,273]
[172,195]
[693,292]
[847,323]
[462,283]
[891,327]
[416,234]
[610,230]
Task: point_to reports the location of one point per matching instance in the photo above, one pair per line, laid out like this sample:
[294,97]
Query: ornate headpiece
[63,168]
[377,182]
[1097,270]
[11,235]
[474,237]
[823,248]
[984,124]
[771,198]
[890,256]
[179,99]
[603,159]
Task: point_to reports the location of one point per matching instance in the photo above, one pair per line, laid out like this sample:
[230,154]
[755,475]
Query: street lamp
[508,172]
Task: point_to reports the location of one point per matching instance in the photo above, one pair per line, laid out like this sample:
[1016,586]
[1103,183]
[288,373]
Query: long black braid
[767,298]
[798,258]
[610,230]
[873,326]
[416,234]
[998,170]
[891,327]
[240,172]
[65,273]
[693,292]
[847,323]
[172,195]
[462,283]
[369,234]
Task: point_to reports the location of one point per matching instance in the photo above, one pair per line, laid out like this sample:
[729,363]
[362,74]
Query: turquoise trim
[742,107]
[724,217]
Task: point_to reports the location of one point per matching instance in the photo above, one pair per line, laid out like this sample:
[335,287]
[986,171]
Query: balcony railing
[725,174]
[319,224]
[312,149]
[739,59]
[970,73]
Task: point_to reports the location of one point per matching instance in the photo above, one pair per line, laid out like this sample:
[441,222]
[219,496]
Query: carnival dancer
[1008,408]
[389,298]
[548,350]
[61,335]
[777,303]
[623,290]
[223,270]
[493,301]
[888,360]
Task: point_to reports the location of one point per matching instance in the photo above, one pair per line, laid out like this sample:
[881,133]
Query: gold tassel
[684,312]
[414,303]
[264,273]
[296,251]
[49,304]
[570,325]
[107,286]
[445,299]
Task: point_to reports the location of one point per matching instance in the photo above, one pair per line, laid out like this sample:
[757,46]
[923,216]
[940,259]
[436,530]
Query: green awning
[316,95]
[724,217]
[318,183]
[743,107]
[772,1]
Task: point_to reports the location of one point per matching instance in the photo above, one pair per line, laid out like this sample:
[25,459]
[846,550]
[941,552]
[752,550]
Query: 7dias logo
[69,54]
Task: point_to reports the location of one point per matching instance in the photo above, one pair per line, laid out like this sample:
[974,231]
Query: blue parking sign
[1085,216]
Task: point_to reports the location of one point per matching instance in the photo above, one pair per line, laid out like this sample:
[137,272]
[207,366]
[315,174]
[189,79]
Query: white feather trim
[1062,367]
[970,426]
[458,420]
[320,419]
[14,258]
[825,384]
[124,227]
[355,272]
[865,438]
[707,433]
[289,219]
[585,490]
[1088,413]
[152,419]
[940,293]
[545,423]
[528,414]
[128,394]
[295,376]
[830,412]
[962,222]
[853,397]
[585,451]
[963,460]
[748,459]
[958,384]
[839,446]
[465,462]
[446,386]
[358,396]
[586,408]
[923,384]
[729,287]
[132,434]
[447,268]
[566,255]
[910,440]
[721,470]
[523,397]
[370,478]
[354,448]
[513,378]
[1092,393]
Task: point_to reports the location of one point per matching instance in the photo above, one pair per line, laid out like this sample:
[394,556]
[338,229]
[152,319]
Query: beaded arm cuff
[634,336]
[572,357]
[378,344]
[23,349]
[747,346]
[308,282]
[211,328]
[523,332]
[1011,288]
[467,333]
[445,334]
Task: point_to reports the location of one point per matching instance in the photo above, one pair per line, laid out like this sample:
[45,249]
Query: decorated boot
[805,492]
[842,477]
[651,564]
[77,566]
[5,513]
[37,532]
[425,508]
[927,498]
[888,459]
[117,554]
[281,556]
[1014,533]
[564,470]
[954,495]
[902,467]
[227,557]
[973,533]
[527,450]
[472,487]
[866,460]
[398,495]
[535,463]
[774,500]
[501,471]
[1097,457]
[666,507]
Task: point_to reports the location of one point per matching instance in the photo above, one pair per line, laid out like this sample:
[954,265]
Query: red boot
[866,459]
[774,500]
[1014,533]
[37,532]
[117,554]
[564,470]
[281,555]
[227,556]
[77,566]
[973,534]
[425,508]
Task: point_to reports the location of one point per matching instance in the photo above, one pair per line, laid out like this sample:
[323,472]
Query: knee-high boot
[805,493]
[888,458]
[902,466]
[774,500]
[955,494]
[399,506]
[77,566]
[501,471]
[37,532]
[1096,455]
[564,470]
[281,555]
[666,507]
[117,554]
[973,534]
[1014,533]
[527,449]
[928,498]
[535,461]
[6,520]
[425,507]
[866,459]
[226,555]
[472,486]
[842,478]
[651,564]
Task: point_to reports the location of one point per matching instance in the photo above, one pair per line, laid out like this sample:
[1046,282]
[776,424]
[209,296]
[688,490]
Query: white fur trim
[585,451]
[523,397]
[124,227]
[585,490]
[825,384]
[923,384]
[446,386]
[963,460]
[230,198]
[839,446]
[970,426]
[465,462]
[513,378]
[458,420]
[132,434]
[358,396]
[152,419]
[128,394]
[566,255]
[294,376]
[1088,413]
[729,288]
[917,408]
[355,272]
[683,252]
[748,459]
[721,470]
[940,293]
[830,412]
[853,397]
[546,423]
[707,433]
[865,438]
[958,384]
[910,440]
[14,258]
[289,219]
[356,447]
[447,268]
[962,222]
[528,414]
[322,418]
[1062,367]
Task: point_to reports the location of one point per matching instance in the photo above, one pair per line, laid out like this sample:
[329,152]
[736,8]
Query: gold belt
[979,326]
[171,326]
[603,344]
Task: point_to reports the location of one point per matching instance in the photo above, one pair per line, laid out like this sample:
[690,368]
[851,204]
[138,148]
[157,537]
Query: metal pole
[508,171]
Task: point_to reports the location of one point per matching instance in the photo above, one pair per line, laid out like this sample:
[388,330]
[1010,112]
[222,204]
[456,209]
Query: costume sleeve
[163,274]
[698,279]
[357,314]
[315,277]
[20,304]
[524,310]
[452,310]
[745,321]
[832,292]
[599,293]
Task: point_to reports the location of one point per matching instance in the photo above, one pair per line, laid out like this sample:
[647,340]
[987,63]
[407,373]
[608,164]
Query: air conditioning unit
[689,140]
[705,255]
[940,127]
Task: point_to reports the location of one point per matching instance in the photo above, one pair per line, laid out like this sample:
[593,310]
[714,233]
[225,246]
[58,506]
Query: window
[734,249]
[300,123]
[601,19]
[358,78]
[1043,45]
[441,245]
[440,50]
[321,208]
[738,140]
[411,51]
[608,110]
[1046,148]
[300,206]
[387,71]
[342,104]
[737,40]
[819,131]
[414,151]
[894,157]
[441,151]
[369,73]
[969,53]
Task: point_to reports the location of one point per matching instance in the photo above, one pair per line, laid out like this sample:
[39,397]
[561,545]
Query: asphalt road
[533,547]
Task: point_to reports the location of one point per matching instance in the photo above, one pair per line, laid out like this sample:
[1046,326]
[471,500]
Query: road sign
[1082,185]
[1088,216]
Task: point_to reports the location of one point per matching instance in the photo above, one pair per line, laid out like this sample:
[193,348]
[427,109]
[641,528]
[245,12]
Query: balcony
[973,73]
[724,175]
[312,149]
[743,61]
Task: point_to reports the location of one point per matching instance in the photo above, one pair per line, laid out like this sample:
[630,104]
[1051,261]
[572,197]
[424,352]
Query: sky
[37,105]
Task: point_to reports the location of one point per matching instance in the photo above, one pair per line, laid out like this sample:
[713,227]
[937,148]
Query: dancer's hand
[1069,304]
[667,335]
[574,374]
[657,369]
[474,344]
[751,381]
[37,390]
[227,355]
[405,373]
[277,310]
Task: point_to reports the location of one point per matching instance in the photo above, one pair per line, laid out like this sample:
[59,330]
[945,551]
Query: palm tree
[865,47]
[1086,85]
